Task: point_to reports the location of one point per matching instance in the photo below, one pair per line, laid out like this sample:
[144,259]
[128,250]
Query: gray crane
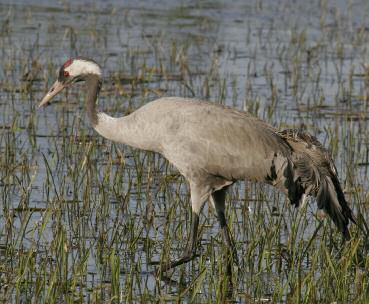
[213,146]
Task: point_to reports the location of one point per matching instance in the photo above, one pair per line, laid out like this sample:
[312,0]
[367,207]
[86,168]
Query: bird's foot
[184,259]
[171,264]
[168,280]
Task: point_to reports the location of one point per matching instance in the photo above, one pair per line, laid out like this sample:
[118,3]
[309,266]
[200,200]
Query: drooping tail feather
[316,173]
[331,199]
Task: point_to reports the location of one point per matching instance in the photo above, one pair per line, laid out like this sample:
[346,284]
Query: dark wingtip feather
[315,171]
[331,199]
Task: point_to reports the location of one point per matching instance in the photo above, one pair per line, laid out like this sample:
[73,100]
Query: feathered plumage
[316,175]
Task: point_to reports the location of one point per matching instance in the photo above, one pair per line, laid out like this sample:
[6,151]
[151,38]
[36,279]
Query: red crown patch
[68,63]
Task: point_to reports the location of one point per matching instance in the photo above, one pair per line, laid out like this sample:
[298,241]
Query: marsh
[81,218]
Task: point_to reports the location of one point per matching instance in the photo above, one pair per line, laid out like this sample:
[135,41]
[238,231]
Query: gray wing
[206,138]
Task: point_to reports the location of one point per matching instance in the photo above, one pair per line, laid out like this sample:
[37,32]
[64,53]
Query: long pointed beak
[55,90]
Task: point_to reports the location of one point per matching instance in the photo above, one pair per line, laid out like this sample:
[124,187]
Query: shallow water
[300,65]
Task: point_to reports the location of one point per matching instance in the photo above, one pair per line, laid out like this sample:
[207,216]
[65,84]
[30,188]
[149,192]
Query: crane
[213,146]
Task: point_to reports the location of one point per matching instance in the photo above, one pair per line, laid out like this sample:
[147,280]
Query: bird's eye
[66,74]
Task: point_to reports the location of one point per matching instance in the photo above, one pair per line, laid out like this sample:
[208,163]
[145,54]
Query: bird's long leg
[218,200]
[198,197]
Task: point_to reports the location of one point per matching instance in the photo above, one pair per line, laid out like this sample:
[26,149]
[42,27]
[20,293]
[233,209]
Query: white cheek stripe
[79,67]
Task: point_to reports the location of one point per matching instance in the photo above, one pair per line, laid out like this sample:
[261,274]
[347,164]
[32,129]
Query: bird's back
[203,137]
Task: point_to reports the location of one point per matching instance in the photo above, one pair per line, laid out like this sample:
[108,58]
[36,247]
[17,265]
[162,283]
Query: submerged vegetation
[82,218]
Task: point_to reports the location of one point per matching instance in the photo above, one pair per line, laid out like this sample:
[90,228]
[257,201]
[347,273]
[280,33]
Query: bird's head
[73,70]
